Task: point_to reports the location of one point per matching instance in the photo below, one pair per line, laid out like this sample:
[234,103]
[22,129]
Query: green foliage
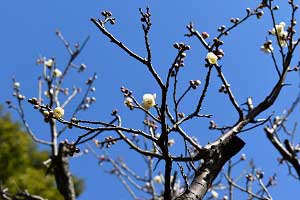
[21,163]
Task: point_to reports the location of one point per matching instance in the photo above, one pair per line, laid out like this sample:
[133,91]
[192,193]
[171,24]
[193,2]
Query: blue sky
[28,31]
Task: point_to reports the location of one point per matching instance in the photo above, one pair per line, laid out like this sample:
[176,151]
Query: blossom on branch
[267,47]
[281,33]
[49,63]
[57,73]
[58,112]
[16,85]
[212,58]
[171,142]
[279,28]
[149,101]
[214,194]
[157,179]
[129,102]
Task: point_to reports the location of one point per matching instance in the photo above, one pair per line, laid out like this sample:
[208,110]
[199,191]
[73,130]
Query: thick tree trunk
[209,170]
[62,173]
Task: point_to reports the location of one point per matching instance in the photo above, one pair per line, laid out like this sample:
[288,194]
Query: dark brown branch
[20,111]
[229,92]
[287,155]
[221,152]
[201,99]
[117,42]
[244,189]
[101,27]
[62,173]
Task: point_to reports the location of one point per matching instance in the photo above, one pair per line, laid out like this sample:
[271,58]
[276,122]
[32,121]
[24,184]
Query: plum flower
[57,73]
[279,28]
[49,63]
[58,112]
[16,85]
[149,101]
[129,102]
[267,47]
[281,33]
[171,142]
[212,58]
[214,194]
[157,179]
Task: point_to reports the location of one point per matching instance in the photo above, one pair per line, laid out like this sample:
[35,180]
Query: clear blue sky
[27,31]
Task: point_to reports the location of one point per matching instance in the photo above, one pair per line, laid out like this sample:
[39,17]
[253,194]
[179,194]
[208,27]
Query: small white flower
[57,73]
[86,151]
[157,179]
[148,186]
[49,63]
[279,28]
[243,157]
[16,85]
[154,150]
[212,58]
[267,48]
[225,197]
[48,93]
[282,34]
[282,41]
[149,101]
[214,194]
[171,142]
[58,112]
[21,97]
[128,102]
[172,179]
[46,113]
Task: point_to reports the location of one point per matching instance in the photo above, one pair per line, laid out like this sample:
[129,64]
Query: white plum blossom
[171,142]
[282,34]
[58,112]
[267,47]
[212,58]
[279,28]
[149,101]
[157,179]
[49,63]
[46,113]
[16,85]
[128,101]
[282,40]
[46,93]
[57,73]
[214,194]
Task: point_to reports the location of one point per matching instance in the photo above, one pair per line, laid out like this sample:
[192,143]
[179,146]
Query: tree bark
[219,154]
[62,173]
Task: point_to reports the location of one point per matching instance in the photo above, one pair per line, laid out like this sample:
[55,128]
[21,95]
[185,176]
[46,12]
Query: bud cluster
[91,80]
[195,83]
[108,17]
[126,92]
[16,87]
[87,102]
[71,149]
[181,47]
[235,20]
[223,89]
[110,141]
[146,18]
